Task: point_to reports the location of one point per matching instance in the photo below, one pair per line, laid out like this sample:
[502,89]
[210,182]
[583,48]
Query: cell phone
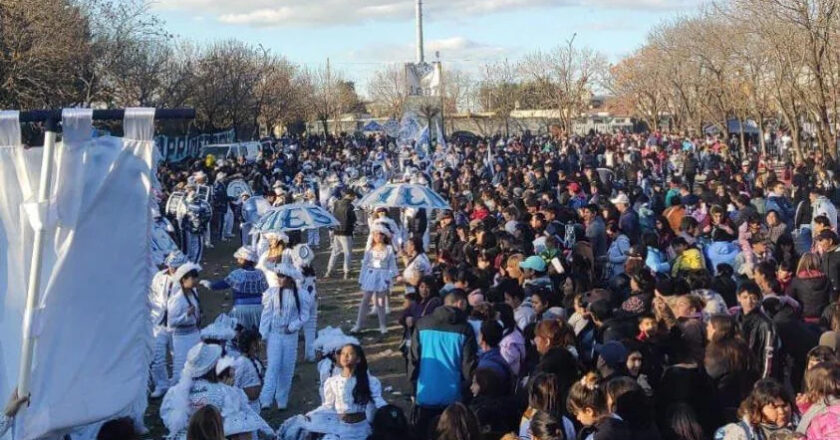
[558,266]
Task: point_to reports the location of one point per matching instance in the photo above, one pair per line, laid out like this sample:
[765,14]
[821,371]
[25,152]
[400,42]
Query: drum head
[175,204]
[238,187]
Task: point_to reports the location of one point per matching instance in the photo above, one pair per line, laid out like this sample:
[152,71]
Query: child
[545,394]
[302,257]
[588,402]
[379,267]
[248,368]
[820,406]
[351,395]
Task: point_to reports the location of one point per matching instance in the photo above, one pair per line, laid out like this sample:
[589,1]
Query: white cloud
[302,13]
[452,50]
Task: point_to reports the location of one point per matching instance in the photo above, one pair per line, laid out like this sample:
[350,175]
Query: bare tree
[568,75]
[387,91]
[498,90]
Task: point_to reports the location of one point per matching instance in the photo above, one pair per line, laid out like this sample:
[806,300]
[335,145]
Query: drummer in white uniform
[161,289]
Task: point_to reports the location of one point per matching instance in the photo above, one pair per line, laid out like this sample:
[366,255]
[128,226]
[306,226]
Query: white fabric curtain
[92,328]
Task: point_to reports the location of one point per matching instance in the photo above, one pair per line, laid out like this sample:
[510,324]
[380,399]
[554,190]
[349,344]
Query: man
[820,205]
[775,226]
[596,230]
[159,292]
[827,243]
[490,355]
[447,235]
[442,359]
[342,241]
[629,220]
[523,311]
[576,197]
[194,224]
[220,207]
[674,213]
[757,328]
[777,201]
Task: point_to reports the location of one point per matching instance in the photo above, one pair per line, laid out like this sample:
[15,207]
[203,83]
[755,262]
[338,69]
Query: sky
[362,36]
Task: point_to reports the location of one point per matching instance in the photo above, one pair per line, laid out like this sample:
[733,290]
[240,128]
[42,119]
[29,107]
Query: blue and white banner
[404,195]
[295,217]
[178,148]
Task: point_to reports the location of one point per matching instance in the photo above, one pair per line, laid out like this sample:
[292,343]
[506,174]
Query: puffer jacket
[813,291]
[821,421]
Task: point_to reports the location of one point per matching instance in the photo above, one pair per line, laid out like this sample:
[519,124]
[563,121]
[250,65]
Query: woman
[276,253]
[200,386]
[657,260]
[767,411]
[588,403]
[379,267]
[285,311]
[729,363]
[492,403]
[249,370]
[302,257]
[545,426]
[617,253]
[421,304]
[810,287]
[183,313]
[206,424]
[628,400]
[551,342]
[820,403]
[513,343]
[349,394]
[416,263]
[247,284]
[665,233]
[546,394]
[457,423]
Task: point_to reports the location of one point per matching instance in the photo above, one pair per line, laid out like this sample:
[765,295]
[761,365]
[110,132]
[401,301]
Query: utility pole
[420,57]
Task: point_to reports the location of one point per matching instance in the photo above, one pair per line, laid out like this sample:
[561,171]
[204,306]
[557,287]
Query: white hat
[175,259]
[224,363]
[382,229]
[302,255]
[246,253]
[621,198]
[222,329]
[276,236]
[201,359]
[185,269]
[244,421]
[331,339]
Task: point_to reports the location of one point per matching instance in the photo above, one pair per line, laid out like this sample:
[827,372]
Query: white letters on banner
[178,148]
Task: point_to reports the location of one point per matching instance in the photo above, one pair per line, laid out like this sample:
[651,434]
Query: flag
[490,160]
[440,138]
[423,138]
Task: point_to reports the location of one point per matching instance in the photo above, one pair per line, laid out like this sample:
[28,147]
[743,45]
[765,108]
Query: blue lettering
[292,219]
[408,197]
[383,196]
[318,217]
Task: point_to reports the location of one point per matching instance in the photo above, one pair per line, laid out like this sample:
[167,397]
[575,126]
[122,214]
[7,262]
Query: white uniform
[379,267]
[159,295]
[338,400]
[262,264]
[281,320]
[183,325]
[249,373]
[310,328]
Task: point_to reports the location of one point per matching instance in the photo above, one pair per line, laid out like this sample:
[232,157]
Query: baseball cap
[534,263]
[613,353]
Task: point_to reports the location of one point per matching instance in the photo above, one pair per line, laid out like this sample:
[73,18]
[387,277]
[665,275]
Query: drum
[237,187]
[203,192]
[176,204]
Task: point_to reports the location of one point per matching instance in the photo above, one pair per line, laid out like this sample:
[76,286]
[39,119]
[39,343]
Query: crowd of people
[608,286]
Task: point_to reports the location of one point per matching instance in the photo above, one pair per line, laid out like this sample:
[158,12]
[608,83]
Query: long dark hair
[294,289]
[361,392]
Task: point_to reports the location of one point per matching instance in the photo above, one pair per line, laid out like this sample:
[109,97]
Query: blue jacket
[442,357]
[492,359]
[721,252]
[657,261]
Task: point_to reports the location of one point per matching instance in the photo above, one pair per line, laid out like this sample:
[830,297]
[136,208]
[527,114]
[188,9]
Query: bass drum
[238,187]
[176,205]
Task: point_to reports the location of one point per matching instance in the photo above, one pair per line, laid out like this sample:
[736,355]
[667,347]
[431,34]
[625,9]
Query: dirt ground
[339,301]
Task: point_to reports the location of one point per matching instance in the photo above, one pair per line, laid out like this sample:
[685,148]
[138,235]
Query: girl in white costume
[285,311]
[199,386]
[302,257]
[327,345]
[249,370]
[379,267]
[275,253]
[183,313]
[350,400]
[162,287]
[313,236]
